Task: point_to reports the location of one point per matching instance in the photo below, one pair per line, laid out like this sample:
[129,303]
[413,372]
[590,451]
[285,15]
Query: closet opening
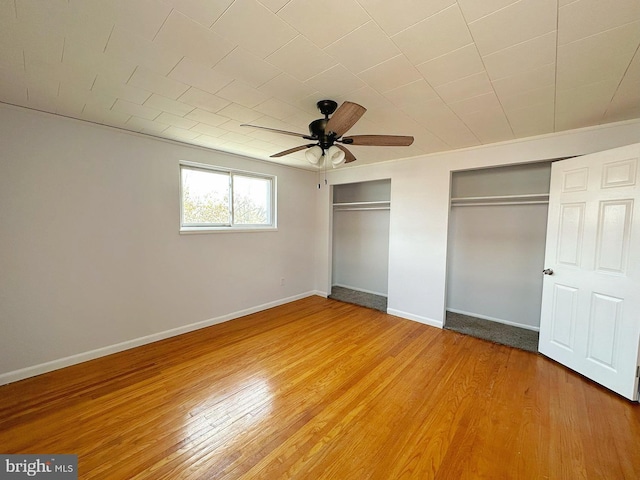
[496,245]
[360,243]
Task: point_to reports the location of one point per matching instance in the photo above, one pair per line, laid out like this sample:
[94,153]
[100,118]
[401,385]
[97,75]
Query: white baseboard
[493,319]
[358,289]
[320,294]
[34,370]
[415,318]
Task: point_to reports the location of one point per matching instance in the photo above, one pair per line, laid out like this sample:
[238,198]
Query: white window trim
[228,228]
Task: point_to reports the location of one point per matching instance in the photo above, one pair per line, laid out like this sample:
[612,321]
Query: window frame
[228,227]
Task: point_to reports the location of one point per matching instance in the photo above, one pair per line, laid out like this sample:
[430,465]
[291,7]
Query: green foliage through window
[207,194]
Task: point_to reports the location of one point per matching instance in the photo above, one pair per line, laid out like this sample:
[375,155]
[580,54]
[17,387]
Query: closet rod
[488,204]
[351,209]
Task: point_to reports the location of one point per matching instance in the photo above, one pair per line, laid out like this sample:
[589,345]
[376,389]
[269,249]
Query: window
[216,199]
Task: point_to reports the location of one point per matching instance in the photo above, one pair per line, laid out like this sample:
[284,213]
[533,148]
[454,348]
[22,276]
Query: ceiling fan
[327,133]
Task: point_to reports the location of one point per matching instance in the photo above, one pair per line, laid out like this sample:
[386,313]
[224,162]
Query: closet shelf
[362,204]
[517,199]
[375,205]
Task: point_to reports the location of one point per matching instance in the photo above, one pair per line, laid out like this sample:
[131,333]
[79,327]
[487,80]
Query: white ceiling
[451,73]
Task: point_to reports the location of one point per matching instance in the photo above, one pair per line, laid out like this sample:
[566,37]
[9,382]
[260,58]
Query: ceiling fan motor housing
[316,129]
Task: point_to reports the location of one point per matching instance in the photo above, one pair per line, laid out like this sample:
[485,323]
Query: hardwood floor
[318,389]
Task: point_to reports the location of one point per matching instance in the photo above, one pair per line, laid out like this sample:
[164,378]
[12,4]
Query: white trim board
[493,319]
[34,370]
[415,318]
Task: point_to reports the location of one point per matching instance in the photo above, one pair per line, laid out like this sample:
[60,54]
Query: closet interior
[360,243]
[496,243]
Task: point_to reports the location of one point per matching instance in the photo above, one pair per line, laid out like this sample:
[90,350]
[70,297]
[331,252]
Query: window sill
[205,230]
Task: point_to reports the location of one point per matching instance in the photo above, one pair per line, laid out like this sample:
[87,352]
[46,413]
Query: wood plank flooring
[318,389]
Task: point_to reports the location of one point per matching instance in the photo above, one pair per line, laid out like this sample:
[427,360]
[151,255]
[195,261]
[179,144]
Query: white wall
[496,258]
[361,250]
[420,208]
[91,260]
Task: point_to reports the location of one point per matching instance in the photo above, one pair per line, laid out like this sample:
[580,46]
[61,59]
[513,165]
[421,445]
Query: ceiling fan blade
[284,132]
[344,118]
[347,154]
[379,140]
[292,150]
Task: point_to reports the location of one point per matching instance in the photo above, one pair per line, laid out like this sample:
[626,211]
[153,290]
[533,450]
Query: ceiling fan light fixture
[313,155]
[335,155]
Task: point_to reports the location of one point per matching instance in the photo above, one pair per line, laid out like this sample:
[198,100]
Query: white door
[590,318]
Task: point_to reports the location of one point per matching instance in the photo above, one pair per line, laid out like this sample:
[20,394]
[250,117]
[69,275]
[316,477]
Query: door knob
[547,271]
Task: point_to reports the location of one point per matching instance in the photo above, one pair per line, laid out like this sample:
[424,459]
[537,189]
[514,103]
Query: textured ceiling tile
[204,12]
[435,36]
[13,88]
[242,94]
[397,15]
[301,59]
[143,125]
[245,66]
[584,105]
[125,46]
[204,116]
[440,120]
[101,116]
[239,113]
[130,108]
[97,60]
[104,86]
[11,52]
[201,99]
[274,5]
[235,137]
[249,24]
[486,102]
[532,120]
[414,93]
[39,13]
[142,17]
[71,99]
[198,75]
[363,48]
[598,57]
[180,134]
[452,66]
[514,24]
[206,129]
[474,9]
[151,81]
[583,18]
[464,88]
[335,81]
[542,95]
[527,80]
[175,120]
[365,96]
[489,126]
[522,57]
[190,39]
[390,74]
[343,17]
[41,47]
[167,105]
[287,88]
[277,109]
